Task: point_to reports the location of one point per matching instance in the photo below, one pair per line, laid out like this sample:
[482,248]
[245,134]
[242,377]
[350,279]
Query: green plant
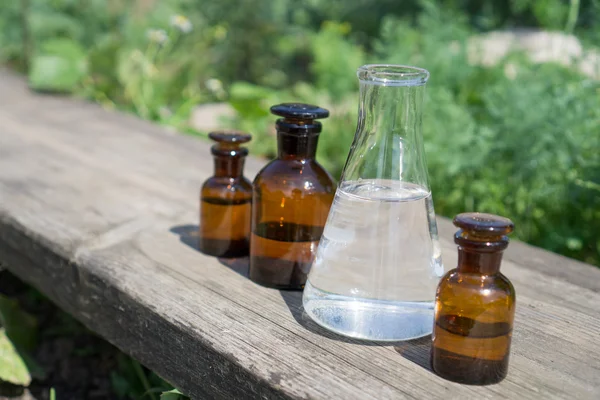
[18,337]
[132,381]
[58,65]
[172,395]
[23,334]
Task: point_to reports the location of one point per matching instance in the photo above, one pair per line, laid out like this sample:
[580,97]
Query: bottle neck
[293,146]
[474,262]
[229,167]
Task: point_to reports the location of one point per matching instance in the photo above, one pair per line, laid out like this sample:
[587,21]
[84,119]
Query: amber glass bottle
[291,199]
[226,199]
[475,305]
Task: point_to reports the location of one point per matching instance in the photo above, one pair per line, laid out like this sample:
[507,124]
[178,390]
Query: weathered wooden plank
[96,210]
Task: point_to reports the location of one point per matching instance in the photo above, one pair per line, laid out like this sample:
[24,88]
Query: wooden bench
[98,211]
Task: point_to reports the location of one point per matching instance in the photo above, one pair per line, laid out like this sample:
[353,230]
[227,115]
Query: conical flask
[379,261]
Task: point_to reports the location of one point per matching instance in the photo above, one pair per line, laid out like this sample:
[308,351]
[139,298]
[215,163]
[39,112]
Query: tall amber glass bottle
[226,199]
[291,199]
[475,305]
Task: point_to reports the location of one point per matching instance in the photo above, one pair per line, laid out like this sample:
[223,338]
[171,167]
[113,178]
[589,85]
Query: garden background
[504,133]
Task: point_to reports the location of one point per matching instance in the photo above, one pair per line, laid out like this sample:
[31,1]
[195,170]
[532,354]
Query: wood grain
[98,210]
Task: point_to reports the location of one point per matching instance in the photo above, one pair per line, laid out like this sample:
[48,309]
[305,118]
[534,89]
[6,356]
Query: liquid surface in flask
[368,279]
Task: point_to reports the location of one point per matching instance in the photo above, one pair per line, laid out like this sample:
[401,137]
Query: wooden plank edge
[123,321]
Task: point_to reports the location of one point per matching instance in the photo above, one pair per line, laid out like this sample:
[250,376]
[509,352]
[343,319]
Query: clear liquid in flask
[378,262]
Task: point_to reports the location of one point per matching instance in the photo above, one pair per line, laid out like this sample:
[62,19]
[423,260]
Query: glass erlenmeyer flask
[378,262]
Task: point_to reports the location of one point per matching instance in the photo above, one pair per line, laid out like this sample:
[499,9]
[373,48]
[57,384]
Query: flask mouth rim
[392,75]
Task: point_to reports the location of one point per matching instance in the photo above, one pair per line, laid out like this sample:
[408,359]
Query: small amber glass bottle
[291,200]
[226,199]
[475,305]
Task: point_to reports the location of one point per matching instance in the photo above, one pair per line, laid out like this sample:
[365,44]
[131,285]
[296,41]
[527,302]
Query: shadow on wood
[240,265]
[417,351]
[188,235]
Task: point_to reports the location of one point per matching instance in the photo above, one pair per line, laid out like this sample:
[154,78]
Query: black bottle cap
[484,225]
[482,232]
[228,143]
[299,118]
[299,111]
[233,137]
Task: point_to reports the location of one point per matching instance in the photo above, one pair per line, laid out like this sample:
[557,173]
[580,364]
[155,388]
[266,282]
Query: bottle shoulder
[306,175]
[222,185]
[491,287]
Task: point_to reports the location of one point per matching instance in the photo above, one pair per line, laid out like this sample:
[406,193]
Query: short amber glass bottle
[291,199]
[475,305]
[226,199]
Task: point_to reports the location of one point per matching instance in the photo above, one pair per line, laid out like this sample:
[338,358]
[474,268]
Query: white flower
[454,47]
[182,23]
[141,64]
[510,71]
[158,36]
[214,85]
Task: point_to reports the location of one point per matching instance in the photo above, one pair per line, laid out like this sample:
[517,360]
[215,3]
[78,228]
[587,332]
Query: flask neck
[388,142]
[474,262]
[293,146]
[229,167]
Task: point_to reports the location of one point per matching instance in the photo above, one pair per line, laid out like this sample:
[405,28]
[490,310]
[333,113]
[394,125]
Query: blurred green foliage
[517,139]
[25,335]
[18,337]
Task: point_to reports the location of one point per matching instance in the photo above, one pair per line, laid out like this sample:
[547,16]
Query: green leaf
[12,366]
[248,91]
[21,329]
[119,384]
[248,99]
[335,60]
[574,243]
[172,395]
[35,370]
[50,23]
[58,66]
[20,326]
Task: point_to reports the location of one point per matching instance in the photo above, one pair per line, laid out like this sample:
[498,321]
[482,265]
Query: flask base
[369,319]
